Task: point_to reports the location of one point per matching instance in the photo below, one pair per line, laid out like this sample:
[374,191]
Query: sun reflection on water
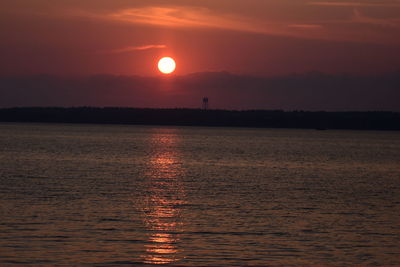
[165,197]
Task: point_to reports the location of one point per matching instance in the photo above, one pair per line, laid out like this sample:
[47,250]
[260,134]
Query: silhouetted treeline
[198,117]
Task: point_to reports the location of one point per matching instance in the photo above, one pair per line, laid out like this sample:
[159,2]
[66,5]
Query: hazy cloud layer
[131,48]
[306,26]
[314,91]
[390,3]
[186,16]
[358,17]
[263,17]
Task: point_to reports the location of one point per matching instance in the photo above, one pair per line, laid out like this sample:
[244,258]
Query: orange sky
[266,37]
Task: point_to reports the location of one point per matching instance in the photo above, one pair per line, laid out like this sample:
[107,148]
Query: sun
[166,65]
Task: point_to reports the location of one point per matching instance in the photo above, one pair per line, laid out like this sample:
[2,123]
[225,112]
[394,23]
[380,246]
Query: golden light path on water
[165,196]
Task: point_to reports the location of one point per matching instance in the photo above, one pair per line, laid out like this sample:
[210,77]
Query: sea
[96,195]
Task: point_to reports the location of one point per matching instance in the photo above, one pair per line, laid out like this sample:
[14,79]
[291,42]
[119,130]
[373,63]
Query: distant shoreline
[372,120]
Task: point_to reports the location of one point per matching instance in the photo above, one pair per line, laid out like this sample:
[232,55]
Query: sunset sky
[263,38]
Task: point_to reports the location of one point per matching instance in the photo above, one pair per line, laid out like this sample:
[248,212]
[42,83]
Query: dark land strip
[374,120]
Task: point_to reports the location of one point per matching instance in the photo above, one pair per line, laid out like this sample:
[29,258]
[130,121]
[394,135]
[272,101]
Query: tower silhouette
[205,103]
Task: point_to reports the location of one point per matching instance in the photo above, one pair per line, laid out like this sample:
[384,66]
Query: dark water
[80,194]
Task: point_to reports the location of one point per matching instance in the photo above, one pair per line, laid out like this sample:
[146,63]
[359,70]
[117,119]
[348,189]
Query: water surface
[191,196]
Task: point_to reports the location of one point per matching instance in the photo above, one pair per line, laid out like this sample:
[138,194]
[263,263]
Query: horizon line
[199,108]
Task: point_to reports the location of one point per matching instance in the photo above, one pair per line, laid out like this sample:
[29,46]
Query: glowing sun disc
[166,65]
